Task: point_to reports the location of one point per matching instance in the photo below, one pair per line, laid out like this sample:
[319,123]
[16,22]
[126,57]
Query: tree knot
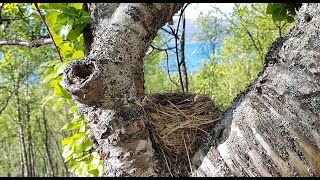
[83,82]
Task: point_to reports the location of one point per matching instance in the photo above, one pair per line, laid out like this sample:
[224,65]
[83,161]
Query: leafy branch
[44,22]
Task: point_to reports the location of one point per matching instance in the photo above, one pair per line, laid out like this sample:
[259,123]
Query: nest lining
[178,120]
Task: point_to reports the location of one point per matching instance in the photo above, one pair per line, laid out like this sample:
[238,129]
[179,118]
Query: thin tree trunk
[44,169]
[23,153]
[33,157]
[183,62]
[60,154]
[29,137]
[9,155]
[46,143]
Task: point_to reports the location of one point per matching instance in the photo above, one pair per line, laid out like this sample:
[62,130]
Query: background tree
[28,148]
[235,62]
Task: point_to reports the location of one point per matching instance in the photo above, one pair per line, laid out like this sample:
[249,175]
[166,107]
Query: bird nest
[178,120]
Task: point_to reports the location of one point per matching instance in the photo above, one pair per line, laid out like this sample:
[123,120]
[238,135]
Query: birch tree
[271,129]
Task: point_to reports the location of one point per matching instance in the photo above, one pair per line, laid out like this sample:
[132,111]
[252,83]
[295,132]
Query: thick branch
[273,127]
[108,83]
[35,43]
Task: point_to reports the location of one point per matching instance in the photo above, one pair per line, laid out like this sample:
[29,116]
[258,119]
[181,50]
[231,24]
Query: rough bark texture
[273,128]
[108,83]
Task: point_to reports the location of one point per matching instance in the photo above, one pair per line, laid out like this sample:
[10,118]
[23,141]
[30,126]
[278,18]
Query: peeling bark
[107,84]
[272,129]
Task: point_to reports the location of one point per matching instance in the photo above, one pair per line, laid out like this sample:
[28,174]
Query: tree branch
[6,101]
[44,22]
[167,58]
[36,43]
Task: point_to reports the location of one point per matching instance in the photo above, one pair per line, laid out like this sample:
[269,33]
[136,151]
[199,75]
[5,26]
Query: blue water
[194,56]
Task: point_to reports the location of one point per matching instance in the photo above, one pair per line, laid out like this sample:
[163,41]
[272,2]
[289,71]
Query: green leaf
[100,169]
[290,19]
[57,39]
[71,12]
[80,26]
[79,171]
[49,64]
[68,158]
[95,162]
[269,8]
[51,18]
[79,135]
[73,165]
[79,46]
[66,49]
[71,126]
[83,143]
[78,54]
[76,5]
[59,91]
[78,117]
[94,172]
[57,6]
[65,141]
[83,127]
[73,35]
[50,74]
[81,40]
[67,153]
[291,9]
[85,17]
[77,155]
[73,109]
[83,157]
[279,14]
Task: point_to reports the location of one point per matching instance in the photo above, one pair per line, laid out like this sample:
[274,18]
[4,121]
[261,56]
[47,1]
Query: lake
[193,57]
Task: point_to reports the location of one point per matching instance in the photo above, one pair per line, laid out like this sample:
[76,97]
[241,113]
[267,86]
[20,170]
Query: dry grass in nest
[178,119]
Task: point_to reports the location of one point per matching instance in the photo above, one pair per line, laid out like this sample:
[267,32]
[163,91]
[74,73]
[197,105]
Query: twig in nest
[187,154]
[166,161]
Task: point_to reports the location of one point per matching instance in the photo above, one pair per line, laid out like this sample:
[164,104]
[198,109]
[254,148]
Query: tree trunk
[33,157]
[28,128]
[60,155]
[46,143]
[183,62]
[23,152]
[272,129]
[44,168]
[108,83]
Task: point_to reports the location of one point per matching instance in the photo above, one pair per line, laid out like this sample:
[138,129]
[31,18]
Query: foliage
[66,22]
[77,149]
[250,32]
[283,11]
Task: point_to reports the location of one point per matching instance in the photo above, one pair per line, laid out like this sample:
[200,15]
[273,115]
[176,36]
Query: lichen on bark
[108,83]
